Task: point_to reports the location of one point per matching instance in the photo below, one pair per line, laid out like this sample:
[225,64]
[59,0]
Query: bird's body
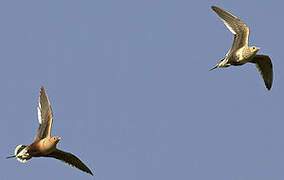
[237,58]
[240,52]
[44,145]
[39,148]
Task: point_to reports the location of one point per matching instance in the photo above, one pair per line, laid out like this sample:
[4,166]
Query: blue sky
[131,93]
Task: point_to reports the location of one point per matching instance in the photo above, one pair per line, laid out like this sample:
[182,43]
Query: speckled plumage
[240,52]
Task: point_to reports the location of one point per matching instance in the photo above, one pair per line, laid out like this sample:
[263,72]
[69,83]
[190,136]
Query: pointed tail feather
[213,68]
[10,157]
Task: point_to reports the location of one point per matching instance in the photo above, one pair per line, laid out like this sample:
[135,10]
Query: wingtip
[268,85]
[268,88]
[87,170]
[91,173]
[43,92]
[41,88]
[214,8]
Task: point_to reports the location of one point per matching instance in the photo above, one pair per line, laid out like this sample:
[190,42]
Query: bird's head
[55,139]
[254,49]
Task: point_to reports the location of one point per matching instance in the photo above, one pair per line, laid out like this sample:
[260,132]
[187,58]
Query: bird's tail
[21,154]
[213,68]
[222,63]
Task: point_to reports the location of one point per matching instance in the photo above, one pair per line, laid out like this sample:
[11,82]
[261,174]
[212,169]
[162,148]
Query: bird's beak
[10,157]
[213,68]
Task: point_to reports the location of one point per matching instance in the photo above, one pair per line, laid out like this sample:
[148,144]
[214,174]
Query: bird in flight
[240,53]
[44,145]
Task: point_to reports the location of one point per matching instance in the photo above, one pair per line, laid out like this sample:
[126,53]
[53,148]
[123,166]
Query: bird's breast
[41,147]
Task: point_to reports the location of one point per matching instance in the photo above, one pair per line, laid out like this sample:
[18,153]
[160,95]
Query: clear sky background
[131,93]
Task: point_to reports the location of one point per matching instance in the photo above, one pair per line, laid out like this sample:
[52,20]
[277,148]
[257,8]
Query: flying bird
[44,145]
[240,53]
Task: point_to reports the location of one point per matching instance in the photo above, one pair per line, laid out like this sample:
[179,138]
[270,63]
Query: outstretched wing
[264,66]
[236,26]
[44,116]
[70,159]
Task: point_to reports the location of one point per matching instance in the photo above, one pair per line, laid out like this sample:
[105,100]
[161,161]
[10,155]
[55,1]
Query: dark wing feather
[70,159]
[44,116]
[236,26]
[264,65]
